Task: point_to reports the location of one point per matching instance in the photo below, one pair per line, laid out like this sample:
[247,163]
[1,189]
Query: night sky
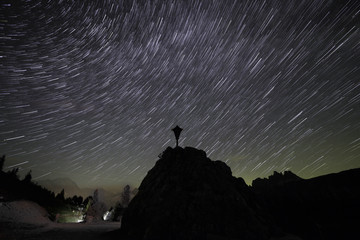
[90,90]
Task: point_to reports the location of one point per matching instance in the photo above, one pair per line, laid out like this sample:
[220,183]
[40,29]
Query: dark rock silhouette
[277,179]
[188,196]
[325,207]
[2,160]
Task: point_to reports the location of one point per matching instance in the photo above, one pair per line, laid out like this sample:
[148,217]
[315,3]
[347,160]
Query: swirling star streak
[90,90]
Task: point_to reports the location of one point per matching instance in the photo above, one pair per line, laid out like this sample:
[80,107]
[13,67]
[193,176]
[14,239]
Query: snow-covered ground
[23,212]
[27,220]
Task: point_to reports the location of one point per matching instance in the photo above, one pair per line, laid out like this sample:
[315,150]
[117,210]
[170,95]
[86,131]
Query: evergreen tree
[76,200]
[118,211]
[28,177]
[96,210]
[87,202]
[96,196]
[79,200]
[125,196]
[13,173]
[61,195]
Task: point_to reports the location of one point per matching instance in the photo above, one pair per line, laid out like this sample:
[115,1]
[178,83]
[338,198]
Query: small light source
[177,130]
[106,216]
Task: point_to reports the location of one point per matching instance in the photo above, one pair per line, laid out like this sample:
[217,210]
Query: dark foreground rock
[188,196]
[325,207]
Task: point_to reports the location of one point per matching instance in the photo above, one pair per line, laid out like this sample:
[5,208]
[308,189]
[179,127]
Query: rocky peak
[277,179]
[188,196]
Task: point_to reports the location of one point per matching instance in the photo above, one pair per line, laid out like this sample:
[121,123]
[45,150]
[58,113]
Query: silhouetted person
[177,130]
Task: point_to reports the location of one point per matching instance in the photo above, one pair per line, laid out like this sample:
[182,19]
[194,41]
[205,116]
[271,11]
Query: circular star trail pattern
[90,90]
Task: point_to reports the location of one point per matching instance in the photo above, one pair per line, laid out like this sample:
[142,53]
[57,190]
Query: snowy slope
[23,212]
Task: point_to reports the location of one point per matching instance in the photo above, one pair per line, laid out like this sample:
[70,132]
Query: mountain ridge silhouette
[188,196]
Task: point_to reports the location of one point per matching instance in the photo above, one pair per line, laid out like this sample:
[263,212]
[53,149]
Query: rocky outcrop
[277,179]
[325,207]
[188,196]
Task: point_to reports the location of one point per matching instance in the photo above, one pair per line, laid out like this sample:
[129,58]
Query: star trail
[90,90]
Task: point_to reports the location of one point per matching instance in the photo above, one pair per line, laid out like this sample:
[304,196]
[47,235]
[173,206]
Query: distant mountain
[57,184]
[277,179]
[71,189]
